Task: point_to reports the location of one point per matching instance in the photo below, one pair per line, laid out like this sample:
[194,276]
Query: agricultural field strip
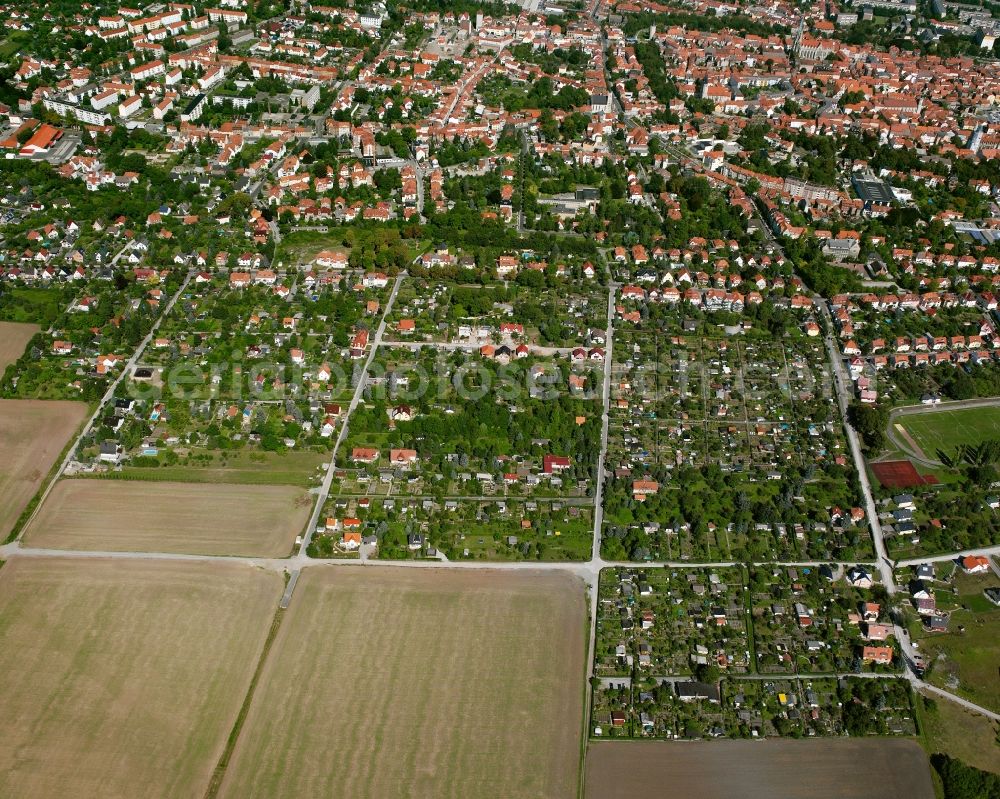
[129,365]
[14,338]
[33,433]
[147,647]
[893,768]
[251,768]
[198,518]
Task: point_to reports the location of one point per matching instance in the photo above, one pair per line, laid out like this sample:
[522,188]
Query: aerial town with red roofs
[612,371]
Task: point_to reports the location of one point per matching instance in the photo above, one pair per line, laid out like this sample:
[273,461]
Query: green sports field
[948,430]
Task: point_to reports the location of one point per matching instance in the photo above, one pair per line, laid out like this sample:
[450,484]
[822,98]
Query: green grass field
[970,654]
[301,246]
[294,468]
[13,43]
[948,430]
[33,305]
[957,732]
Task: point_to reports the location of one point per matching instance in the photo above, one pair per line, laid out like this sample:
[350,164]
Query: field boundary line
[592,601]
[215,784]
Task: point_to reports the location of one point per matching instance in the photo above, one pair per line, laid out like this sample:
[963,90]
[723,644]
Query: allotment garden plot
[471,310]
[727,448]
[720,652]
[96,324]
[804,621]
[477,459]
[782,707]
[666,621]
[251,370]
[515,528]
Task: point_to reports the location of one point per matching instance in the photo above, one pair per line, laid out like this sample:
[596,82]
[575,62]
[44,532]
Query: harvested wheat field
[32,435]
[14,338]
[821,768]
[419,683]
[194,518]
[124,678]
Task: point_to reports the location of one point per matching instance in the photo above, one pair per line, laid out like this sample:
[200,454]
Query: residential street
[324,490]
